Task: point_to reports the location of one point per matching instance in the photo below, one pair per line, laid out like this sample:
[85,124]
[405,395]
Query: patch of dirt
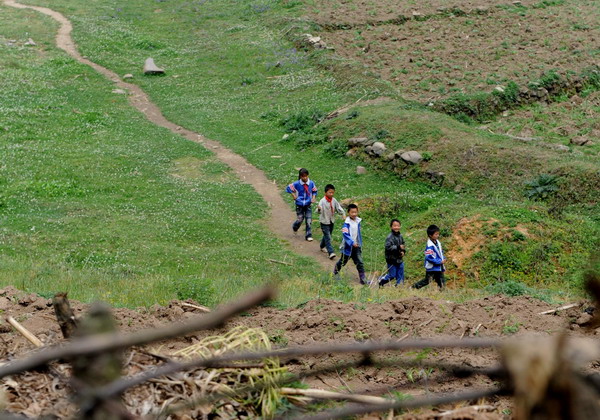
[433,59]
[471,233]
[44,392]
[358,12]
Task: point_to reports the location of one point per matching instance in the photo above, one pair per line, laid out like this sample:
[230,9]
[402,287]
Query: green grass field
[97,201]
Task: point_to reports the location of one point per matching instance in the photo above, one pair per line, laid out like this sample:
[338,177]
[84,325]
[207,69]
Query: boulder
[411,157]
[358,141]
[369,150]
[128,76]
[361,170]
[389,157]
[378,148]
[351,153]
[119,91]
[581,141]
[315,41]
[30,43]
[151,68]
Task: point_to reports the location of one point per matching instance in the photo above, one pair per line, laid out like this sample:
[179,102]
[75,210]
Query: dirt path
[280,217]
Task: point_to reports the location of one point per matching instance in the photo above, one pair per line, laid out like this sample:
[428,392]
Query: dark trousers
[437,276]
[326,241]
[356,256]
[303,214]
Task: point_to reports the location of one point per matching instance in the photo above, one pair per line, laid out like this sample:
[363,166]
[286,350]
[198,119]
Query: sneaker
[309,239]
[323,250]
[331,256]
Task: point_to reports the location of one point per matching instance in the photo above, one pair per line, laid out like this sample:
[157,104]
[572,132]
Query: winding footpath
[280,217]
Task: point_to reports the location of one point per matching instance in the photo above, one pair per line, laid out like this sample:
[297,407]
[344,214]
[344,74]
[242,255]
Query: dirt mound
[40,392]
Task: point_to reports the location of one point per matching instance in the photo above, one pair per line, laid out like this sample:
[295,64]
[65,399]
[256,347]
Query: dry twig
[114,341]
[24,332]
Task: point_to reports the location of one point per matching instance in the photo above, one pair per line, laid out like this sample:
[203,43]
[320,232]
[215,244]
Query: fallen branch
[473,407]
[198,307]
[24,332]
[319,349]
[510,136]
[114,341]
[278,262]
[330,395]
[356,410]
[459,370]
[562,308]
[423,324]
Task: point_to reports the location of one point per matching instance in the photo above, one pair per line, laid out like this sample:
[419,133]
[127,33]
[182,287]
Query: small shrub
[517,236]
[352,114]
[361,336]
[336,148]
[509,288]
[278,338]
[381,134]
[510,328]
[542,187]
[426,156]
[302,121]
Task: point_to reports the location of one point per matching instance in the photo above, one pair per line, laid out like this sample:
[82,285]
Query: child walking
[327,208]
[352,241]
[394,254]
[304,192]
[434,260]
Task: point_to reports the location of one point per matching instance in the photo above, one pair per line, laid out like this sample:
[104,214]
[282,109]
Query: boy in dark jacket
[304,192]
[394,253]
[434,260]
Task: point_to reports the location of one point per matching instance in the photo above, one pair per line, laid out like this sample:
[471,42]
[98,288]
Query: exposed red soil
[38,393]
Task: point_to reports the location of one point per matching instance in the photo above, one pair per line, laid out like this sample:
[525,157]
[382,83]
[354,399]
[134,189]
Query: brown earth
[358,12]
[44,392]
[432,59]
[471,234]
[558,122]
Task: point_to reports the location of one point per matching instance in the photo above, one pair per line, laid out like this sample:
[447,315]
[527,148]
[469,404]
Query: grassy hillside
[96,199]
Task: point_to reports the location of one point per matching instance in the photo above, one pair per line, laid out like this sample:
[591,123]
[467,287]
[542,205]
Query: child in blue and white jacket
[304,192]
[352,243]
[434,260]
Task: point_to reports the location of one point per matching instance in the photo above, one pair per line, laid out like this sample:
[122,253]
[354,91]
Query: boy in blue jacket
[434,260]
[352,242]
[304,192]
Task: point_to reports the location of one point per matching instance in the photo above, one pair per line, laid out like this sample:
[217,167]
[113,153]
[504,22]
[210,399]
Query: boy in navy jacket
[304,192]
[434,260]
[352,242]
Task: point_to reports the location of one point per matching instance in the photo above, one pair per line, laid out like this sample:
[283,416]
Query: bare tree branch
[353,347]
[114,341]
